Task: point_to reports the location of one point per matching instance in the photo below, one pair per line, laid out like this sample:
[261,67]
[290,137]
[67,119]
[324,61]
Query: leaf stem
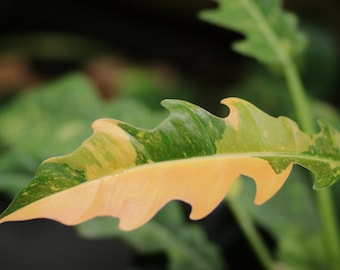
[306,120]
[325,202]
[299,98]
[329,226]
[255,240]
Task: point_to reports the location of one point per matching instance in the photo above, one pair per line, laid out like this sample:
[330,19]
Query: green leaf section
[54,119]
[271,34]
[281,142]
[52,178]
[184,243]
[188,132]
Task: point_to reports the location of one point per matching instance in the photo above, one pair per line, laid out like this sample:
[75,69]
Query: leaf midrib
[267,32]
[291,155]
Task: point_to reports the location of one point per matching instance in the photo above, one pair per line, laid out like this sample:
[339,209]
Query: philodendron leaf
[271,34]
[193,156]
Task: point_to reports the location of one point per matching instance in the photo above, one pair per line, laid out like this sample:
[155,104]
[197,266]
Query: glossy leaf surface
[193,156]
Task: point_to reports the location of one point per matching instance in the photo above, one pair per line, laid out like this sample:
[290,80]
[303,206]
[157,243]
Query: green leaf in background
[257,88]
[152,84]
[185,244]
[53,119]
[49,120]
[290,218]
[131,173]
[53,113]
[271,35]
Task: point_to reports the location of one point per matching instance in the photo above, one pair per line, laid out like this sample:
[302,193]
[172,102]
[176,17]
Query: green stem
[330,227]
[255,240]
[299,98]
[325,202]
[306,120]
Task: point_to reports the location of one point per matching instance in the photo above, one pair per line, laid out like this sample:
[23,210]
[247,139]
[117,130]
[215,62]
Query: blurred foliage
[271,33]
[55,117]
[185,244]
[267,89]
[152,85]
[291,218]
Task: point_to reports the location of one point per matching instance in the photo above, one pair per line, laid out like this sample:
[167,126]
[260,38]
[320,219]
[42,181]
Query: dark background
[141,31]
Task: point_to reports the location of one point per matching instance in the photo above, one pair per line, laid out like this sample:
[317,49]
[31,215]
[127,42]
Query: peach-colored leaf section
[136,195]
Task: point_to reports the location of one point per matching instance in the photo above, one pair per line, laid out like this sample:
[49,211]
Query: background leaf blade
[271,34]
